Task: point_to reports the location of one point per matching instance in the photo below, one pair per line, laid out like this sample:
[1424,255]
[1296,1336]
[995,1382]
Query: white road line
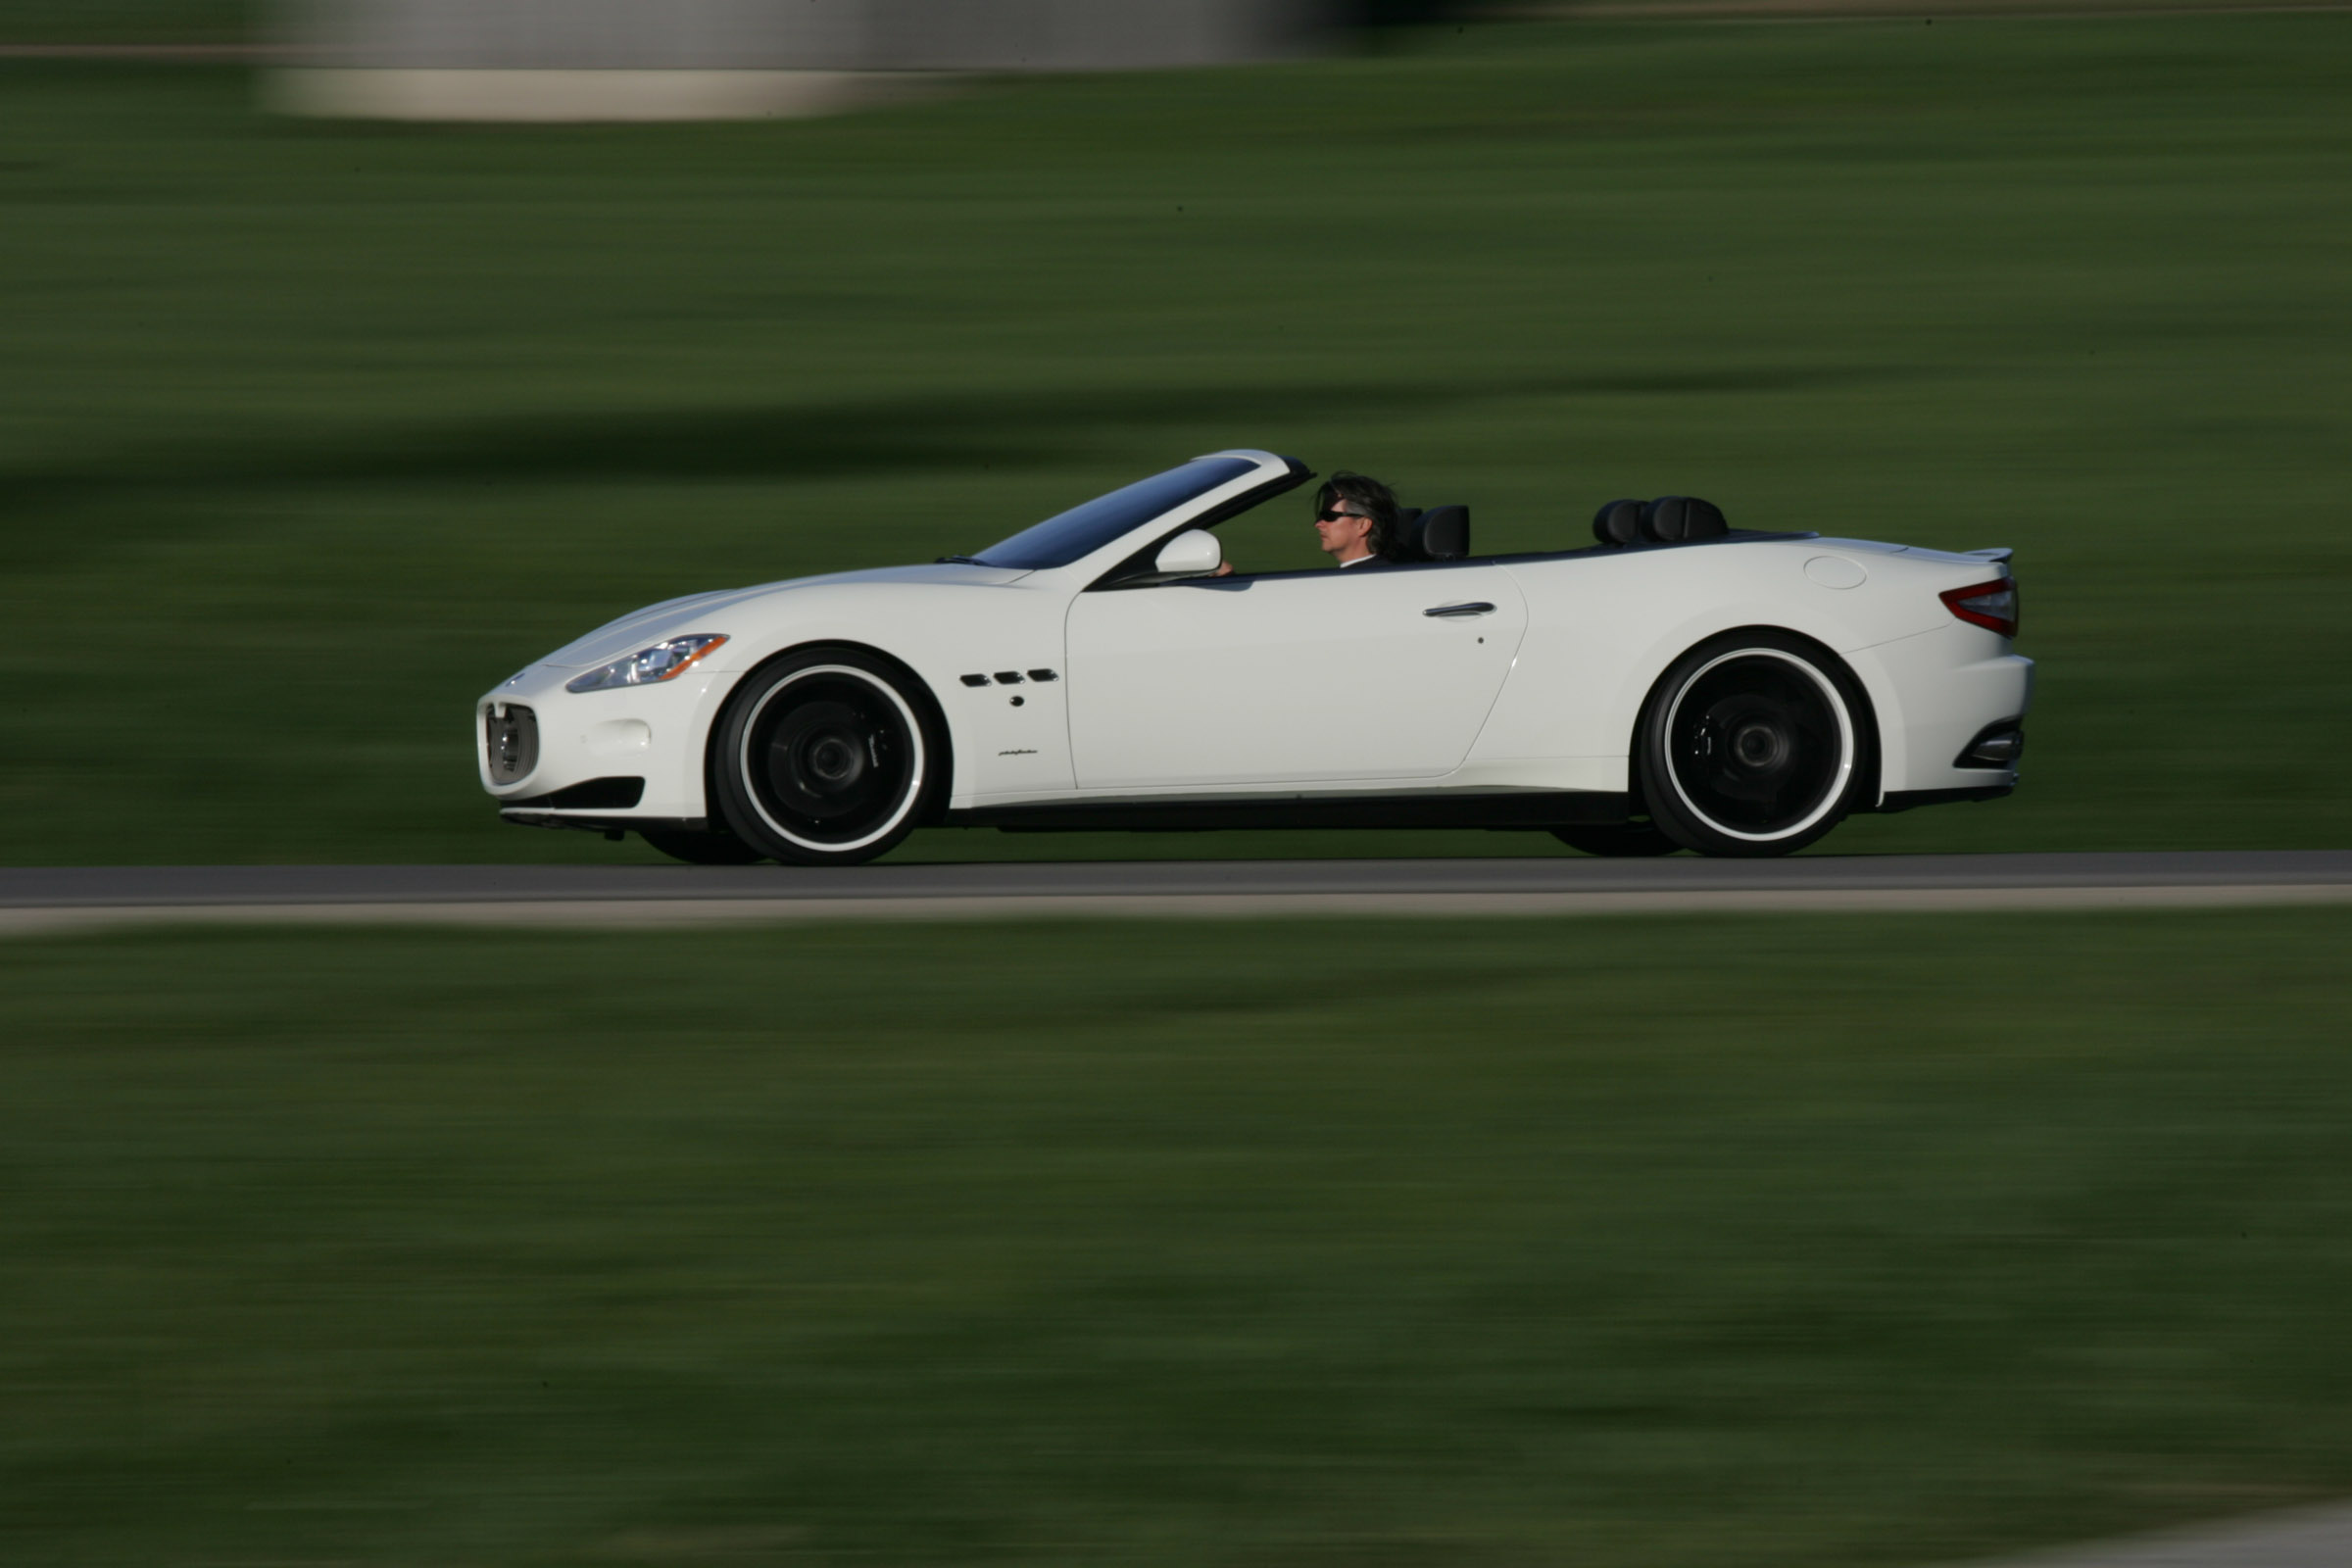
[553,913]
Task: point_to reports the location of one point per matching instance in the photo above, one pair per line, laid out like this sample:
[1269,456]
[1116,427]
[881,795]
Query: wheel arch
[1870,755]
[917,688]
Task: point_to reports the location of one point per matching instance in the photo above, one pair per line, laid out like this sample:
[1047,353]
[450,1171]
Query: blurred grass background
[312,433]
[1855,1242]
[132,23]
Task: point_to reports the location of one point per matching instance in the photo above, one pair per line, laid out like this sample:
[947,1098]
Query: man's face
[1343,529]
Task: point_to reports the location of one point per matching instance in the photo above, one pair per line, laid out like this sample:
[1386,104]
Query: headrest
[1439,533]
[1618,523]
[1444,532]
[1670,518]
[1667,521]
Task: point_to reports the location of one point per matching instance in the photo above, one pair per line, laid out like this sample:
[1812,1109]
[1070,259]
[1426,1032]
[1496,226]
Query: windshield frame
[1261,474]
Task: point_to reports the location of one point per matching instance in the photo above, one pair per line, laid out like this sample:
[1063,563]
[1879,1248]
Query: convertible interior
[1442,533]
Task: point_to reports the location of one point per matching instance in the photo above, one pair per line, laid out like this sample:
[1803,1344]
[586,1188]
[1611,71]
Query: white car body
[1287,697]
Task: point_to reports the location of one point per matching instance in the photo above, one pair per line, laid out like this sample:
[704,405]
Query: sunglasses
[1335,515]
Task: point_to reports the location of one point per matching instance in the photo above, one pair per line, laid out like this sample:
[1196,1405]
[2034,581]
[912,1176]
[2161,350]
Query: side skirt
[1521,809]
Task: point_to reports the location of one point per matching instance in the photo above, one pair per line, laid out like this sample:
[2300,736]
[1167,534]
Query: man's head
[1355,517]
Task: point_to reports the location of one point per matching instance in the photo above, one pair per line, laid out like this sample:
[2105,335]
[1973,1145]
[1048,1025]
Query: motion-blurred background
[316,428]
[358,353]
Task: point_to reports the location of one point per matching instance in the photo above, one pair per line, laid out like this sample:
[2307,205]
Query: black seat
[1437,533]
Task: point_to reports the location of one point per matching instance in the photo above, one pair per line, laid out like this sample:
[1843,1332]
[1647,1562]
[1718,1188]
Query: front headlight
[664,661]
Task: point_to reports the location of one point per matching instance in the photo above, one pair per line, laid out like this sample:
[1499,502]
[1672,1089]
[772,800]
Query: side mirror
[1193,553]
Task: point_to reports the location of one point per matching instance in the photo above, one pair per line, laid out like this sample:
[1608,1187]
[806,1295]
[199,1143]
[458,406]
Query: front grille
[510,742]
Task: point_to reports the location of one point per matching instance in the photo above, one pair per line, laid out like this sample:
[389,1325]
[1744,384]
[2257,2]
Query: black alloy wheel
[1754,743]
[828,757]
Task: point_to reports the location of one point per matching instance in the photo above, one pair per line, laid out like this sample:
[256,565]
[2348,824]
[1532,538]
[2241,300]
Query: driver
[1355,522]
[1355,519]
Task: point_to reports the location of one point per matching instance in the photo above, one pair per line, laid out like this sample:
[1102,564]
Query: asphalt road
[49,897]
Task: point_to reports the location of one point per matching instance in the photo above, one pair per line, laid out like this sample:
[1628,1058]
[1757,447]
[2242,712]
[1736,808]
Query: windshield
[1086,528]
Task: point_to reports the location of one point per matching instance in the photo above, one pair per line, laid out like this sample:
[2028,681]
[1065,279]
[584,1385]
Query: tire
[1753,743]
[700,848]
[828,757]
[1624,841]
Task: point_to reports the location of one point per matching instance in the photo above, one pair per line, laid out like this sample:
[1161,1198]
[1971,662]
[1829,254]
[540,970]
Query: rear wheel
[828,757]
[1753,743]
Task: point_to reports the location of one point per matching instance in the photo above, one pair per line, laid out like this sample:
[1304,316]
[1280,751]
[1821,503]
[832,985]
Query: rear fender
[1877,694]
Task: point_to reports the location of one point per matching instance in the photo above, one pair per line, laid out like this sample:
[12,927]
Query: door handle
[1448,612]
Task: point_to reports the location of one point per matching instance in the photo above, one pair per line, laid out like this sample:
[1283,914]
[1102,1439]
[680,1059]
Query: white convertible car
[1676,685]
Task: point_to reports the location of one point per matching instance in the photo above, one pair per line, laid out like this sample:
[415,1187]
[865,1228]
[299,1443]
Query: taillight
[1989,604]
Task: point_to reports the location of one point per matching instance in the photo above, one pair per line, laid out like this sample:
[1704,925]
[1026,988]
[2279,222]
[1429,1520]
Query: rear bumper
[1936,694]
[1908,800]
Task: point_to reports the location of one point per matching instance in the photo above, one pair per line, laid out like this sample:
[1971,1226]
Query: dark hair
[1368,495]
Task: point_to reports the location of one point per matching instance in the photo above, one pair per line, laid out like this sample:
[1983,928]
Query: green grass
[1702,1243]
[127,22]
[312,433]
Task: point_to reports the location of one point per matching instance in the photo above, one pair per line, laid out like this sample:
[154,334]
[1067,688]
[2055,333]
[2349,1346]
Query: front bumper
[621,757]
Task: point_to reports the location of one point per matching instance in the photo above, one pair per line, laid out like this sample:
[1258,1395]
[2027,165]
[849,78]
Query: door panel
[1290,679]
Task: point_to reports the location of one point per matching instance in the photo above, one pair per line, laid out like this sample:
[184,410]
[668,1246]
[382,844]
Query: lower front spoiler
[610,826]
[568,808]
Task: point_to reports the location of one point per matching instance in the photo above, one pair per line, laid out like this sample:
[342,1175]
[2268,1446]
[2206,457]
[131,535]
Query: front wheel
[1754,744]
[828,757]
